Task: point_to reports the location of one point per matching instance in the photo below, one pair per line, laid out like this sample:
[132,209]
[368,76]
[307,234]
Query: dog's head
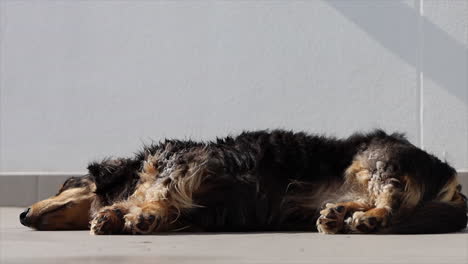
[71,208]
[67,210]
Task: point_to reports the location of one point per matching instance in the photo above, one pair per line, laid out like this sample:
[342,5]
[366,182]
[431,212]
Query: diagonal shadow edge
[444,58]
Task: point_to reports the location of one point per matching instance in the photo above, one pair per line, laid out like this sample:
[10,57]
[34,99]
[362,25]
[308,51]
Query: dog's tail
[431,217]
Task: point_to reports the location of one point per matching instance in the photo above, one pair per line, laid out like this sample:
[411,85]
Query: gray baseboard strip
[23,190]
[463,177]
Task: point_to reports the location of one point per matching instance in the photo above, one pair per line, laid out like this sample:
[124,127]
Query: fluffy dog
[262,181]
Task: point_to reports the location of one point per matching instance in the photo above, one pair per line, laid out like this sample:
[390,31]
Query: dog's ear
[94,169]
[110,172]
[102,173]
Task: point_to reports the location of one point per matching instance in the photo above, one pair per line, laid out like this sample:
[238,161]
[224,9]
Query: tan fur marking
[447,193]
[149,171]
[184,187]
[357,176]
[412,193]
[363,176]
[355,167]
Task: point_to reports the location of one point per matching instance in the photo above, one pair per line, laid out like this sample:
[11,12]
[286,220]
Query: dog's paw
[331,219]
[363,222]
[107,222]
[141,223]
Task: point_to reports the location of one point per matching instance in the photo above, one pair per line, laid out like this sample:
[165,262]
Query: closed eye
[63,206]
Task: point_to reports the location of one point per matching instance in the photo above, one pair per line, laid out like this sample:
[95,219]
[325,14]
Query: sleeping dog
[262,181]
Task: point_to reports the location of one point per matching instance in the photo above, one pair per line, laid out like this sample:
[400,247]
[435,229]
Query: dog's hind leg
[384,198]
[332,217]
[398,181]
[373,182]
[379,184]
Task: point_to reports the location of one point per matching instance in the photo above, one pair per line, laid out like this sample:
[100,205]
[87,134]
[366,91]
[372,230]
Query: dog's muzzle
[24,219]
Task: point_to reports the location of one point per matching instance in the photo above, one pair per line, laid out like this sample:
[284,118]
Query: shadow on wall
[444,58]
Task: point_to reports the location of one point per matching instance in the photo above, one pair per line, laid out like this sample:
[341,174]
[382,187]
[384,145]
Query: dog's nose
[23,217]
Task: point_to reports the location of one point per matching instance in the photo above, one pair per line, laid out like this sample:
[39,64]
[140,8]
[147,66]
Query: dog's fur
[261,181]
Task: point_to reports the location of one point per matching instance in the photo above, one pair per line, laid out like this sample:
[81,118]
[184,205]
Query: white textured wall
[85,79]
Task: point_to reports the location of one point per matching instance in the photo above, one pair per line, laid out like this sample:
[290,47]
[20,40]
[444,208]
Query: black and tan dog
[262,181]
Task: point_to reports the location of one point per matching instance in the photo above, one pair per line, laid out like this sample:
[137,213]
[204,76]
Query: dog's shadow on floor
[462,232]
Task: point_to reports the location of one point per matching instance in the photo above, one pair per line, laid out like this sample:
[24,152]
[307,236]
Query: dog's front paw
[141,222]
[107,222]
[331,219]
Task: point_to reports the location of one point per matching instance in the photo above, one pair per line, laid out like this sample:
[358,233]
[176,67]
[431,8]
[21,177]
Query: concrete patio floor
[19,244]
